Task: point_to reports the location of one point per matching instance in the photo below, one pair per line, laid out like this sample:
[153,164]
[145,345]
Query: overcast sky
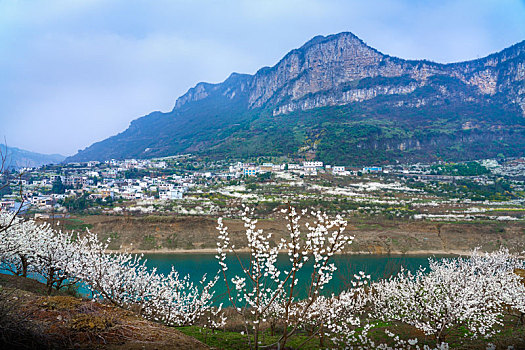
[75,72]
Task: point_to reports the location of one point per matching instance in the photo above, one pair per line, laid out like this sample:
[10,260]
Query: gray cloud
[75,72]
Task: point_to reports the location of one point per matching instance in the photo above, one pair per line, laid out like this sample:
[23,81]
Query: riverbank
[375,236]
[245,251]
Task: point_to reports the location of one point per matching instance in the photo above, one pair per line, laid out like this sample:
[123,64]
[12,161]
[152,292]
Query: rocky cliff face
[326,71]
[321,64]
[336,96]
[235,86]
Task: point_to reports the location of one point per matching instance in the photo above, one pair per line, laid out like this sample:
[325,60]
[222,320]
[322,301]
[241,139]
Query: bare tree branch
[4,172]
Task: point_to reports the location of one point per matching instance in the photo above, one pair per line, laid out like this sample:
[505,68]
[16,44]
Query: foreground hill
[31,320]
[338,100]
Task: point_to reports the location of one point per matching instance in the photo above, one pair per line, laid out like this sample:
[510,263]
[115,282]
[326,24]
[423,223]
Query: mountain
[19,158]
[340,101]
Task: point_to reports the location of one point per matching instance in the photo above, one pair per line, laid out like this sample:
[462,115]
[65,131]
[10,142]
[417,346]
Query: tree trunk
[23,259]
[256,336]
[49,287]
[50,281]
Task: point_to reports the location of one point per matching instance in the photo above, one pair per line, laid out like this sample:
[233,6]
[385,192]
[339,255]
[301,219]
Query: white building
[171,194]
[339,170]
[250,171]
[312,164]
[160,165]
[374,169]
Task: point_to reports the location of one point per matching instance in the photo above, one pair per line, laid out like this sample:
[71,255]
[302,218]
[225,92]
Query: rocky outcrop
[322,71]
[344,97]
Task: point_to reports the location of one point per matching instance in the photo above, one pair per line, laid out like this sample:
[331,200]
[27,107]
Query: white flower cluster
[267,293]
[469,292]
[28,248]
[338,317]
[122,279]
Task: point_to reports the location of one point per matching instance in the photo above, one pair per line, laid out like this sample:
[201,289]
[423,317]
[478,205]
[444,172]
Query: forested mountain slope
[338,100]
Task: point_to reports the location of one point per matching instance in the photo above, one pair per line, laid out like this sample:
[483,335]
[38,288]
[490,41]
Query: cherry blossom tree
[471,292]
[265,290]
[61,259]
[337,317]
[124,280]
[14,252]
[54,253]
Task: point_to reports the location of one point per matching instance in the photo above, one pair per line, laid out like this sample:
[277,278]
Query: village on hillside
[187,185]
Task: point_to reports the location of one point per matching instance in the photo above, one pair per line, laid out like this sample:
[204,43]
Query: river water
[196,265]
[377,266]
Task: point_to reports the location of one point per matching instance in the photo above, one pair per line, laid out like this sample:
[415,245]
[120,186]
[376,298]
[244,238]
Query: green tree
[58,186]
